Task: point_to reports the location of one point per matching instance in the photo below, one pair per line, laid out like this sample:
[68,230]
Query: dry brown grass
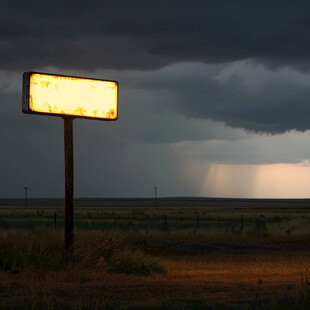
[228,279]
[204,267]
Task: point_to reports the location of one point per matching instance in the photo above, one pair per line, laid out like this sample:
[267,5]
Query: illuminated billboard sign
[70,96]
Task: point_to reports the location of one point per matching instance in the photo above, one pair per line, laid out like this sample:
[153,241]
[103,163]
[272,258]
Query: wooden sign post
[68,135]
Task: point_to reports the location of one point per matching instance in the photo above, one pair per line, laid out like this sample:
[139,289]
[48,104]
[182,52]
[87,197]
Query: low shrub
[133,262]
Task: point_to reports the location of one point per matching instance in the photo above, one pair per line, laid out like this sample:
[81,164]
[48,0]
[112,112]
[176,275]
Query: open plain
[164,257]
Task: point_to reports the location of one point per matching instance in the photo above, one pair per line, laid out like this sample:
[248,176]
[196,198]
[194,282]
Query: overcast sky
[214,97]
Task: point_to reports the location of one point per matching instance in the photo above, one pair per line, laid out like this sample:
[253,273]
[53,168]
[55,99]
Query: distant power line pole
[155,196]
[26,198]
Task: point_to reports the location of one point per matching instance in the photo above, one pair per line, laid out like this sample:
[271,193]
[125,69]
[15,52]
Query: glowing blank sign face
[71,96]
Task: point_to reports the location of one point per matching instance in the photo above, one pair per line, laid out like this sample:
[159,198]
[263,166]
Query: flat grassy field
[155,258]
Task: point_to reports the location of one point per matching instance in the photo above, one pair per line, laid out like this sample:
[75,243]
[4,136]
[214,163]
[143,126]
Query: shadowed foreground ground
[220,282]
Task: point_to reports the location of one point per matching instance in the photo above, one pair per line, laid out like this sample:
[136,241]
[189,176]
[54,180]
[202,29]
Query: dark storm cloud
[88,35]
[262,113]
[151,34]
[243,95]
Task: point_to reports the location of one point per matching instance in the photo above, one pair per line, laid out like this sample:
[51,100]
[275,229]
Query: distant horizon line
[152,198]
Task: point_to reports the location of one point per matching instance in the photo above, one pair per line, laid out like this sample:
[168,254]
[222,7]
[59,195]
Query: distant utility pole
[26,198]
[155,196]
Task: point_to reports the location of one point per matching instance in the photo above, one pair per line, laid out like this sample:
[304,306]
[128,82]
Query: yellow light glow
[72,96]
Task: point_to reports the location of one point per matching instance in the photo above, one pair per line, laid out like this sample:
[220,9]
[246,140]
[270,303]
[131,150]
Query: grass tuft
[134,262]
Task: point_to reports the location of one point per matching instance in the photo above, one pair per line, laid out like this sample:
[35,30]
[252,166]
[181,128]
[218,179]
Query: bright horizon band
[70,96]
